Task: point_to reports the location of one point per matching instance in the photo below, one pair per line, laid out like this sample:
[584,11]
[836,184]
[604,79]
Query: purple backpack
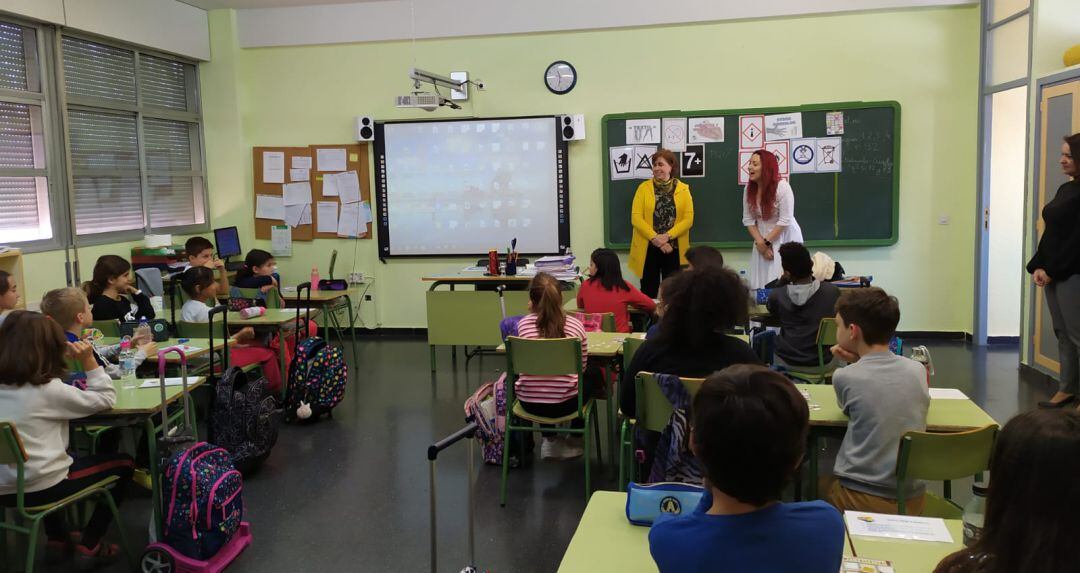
[203,501]
[487,407]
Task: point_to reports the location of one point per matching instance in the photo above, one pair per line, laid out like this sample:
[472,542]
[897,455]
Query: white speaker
[572,127]
[365,128]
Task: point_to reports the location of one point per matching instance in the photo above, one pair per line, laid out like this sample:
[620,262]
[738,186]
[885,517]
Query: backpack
[244,419]
[317,378]
[487,407]
[203,501]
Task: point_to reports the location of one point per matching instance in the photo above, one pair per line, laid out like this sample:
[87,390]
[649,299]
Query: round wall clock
[560,77]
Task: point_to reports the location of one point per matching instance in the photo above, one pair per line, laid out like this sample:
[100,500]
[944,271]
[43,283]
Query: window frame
[192,116]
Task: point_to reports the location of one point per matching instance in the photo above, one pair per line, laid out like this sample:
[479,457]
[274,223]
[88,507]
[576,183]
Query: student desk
[142,406]
[827,418]
[202,344]
[329,302]
[276,320]
[470,317]
[906,555]
[606,541]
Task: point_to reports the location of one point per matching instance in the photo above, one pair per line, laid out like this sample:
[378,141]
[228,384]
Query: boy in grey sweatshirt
[800,305]
[884,395]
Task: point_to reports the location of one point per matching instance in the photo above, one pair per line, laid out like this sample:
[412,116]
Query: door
[1059,116]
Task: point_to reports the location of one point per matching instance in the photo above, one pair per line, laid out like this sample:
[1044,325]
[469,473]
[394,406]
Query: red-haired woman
[769,216]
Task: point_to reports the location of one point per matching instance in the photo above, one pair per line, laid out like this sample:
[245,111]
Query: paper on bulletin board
[329,184]
[348,186]
[642,131]
[349,221]
[365,213]
[674,133]
[744,166]
[780,149]
[299,174]
[706,130]
[751,131]
[783,126]
[294,214]
[328,217]
[297,193]
[281,240]
[803,156]
[301,162]
[269,207]
[834,123]
[693,161]
[643,161]
[330,159]
[273,167]
[621,162]
[829,152]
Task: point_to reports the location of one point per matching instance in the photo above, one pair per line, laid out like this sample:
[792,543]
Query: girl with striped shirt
[552,396]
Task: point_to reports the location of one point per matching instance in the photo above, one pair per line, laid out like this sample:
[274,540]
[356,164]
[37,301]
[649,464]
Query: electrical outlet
[943,220]
[367,297]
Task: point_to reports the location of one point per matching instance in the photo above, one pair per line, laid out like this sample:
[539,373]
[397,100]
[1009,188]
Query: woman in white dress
[769,216]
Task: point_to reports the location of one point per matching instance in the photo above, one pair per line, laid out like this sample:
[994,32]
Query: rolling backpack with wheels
[317,375]
[203,501]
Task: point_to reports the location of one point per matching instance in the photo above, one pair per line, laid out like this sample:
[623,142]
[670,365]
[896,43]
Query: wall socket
[943,219]
[356,278]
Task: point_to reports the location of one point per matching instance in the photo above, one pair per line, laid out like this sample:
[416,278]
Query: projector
[424,100]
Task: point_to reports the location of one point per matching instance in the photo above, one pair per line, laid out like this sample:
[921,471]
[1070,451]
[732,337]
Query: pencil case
[646,502]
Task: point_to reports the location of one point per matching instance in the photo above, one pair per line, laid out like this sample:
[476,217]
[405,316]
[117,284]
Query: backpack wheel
[157,561]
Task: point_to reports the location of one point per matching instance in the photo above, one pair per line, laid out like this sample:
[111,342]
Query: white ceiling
[241,4]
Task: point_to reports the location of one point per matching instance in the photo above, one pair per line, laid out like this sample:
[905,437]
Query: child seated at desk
[202,289]
[259,272]
[749,432]
[69,308]
[884,395]
[112,295]
[606,291]
[701,256]
[800,304]
[9,294]
[34,397]
[200,253]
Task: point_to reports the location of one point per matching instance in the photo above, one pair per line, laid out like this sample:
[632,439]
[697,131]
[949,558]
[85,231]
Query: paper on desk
[297,193]
[299,174]
[301,162]
[328,219]
[947,394]
[348,185]
[330,159]
[156,382]
[273,167]
[897,526]
[349,222]
[269,207]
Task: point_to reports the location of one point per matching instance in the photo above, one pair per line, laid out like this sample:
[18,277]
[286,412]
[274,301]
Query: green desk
[202,344]
[606,541]
[276,320]
[827,418]
[910,556]
[598,344]
[142,405]
[328,301]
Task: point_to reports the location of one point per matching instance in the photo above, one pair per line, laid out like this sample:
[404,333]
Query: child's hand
[843,354]
[266,289]
[246,333]
[139,340]
[83,353]
[148,348]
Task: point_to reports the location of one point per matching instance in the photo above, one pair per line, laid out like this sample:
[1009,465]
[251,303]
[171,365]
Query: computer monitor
[228,242]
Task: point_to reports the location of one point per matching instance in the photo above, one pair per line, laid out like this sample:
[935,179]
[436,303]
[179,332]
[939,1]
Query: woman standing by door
[662,214]
[769,217]
[1056,268]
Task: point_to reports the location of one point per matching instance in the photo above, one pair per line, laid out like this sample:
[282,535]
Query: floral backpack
[487,407]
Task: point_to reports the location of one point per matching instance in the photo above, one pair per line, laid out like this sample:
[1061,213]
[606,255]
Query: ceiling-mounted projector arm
[418,75]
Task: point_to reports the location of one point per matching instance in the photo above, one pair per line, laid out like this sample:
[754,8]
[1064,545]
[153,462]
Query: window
[25,214]
[136,157]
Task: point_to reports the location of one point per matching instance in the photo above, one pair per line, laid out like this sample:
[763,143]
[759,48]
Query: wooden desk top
[144,401]
[944,415]
[273,317]
[605,541]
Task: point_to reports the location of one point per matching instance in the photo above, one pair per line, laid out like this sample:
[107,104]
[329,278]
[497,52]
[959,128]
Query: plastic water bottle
[127,363]
[974,514]
[314,278]
[142,332]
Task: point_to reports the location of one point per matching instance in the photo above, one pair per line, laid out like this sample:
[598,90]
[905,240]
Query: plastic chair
[826,338]
[942,457]
[272,296]
[148,280]
[630,347]
[13,453]
[109,328]
[653,414]
[547,357]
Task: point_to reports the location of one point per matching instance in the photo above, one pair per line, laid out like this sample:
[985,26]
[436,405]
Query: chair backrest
[543,356]
[12,450]
[148,280]
[653,408]
[201,329]
[826,338]
[606,320]
[933,456]
[108,327]
[272,297]
[630,346]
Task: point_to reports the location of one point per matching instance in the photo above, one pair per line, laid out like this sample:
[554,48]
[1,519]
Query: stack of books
[562,267]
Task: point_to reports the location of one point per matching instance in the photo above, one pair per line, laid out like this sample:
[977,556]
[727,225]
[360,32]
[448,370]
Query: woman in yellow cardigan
[662,215]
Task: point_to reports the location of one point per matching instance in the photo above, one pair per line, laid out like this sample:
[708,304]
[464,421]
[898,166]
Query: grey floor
[351,494]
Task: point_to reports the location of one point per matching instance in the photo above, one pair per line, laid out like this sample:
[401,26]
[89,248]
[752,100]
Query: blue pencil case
[645,502]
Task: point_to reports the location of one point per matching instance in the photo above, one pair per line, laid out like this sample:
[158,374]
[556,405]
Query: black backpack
[245,416]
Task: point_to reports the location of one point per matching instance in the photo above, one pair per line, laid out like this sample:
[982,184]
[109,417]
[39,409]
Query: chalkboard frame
[836,106]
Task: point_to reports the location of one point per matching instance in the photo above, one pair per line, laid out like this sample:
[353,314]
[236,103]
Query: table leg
[352,325]
[282,345]
[431,351]
[155,479]
[814,439]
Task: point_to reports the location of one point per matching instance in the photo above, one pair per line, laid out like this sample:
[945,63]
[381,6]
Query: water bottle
[921,354]
[314,278]
[974,514]
[143,332]
[127,363]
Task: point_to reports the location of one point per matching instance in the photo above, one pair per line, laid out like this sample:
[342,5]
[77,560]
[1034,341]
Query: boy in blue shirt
[749,432]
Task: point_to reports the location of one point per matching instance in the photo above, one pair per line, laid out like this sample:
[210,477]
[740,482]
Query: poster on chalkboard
[643,161]
[621,162]
[642,131]
[780,150]
[751,131]
[803,156]
[829,155]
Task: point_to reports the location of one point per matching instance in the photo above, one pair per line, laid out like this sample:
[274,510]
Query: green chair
[607,319]
[109,328]
[202,330]
[826,338]
[653,414]
[546,357]
[272,296]
[13,453]
[942,457]
[630,347]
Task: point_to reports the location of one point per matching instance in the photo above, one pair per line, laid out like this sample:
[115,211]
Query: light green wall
[926,59]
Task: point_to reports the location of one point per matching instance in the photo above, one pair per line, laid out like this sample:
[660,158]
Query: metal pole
[431,489]
[469,500]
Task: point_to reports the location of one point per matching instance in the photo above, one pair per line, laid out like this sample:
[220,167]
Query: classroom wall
[927,59]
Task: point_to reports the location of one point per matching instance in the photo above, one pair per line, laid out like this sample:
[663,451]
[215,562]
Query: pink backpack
[592,322]
[487,407]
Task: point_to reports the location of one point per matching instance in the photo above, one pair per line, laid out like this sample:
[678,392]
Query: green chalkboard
[858,206]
